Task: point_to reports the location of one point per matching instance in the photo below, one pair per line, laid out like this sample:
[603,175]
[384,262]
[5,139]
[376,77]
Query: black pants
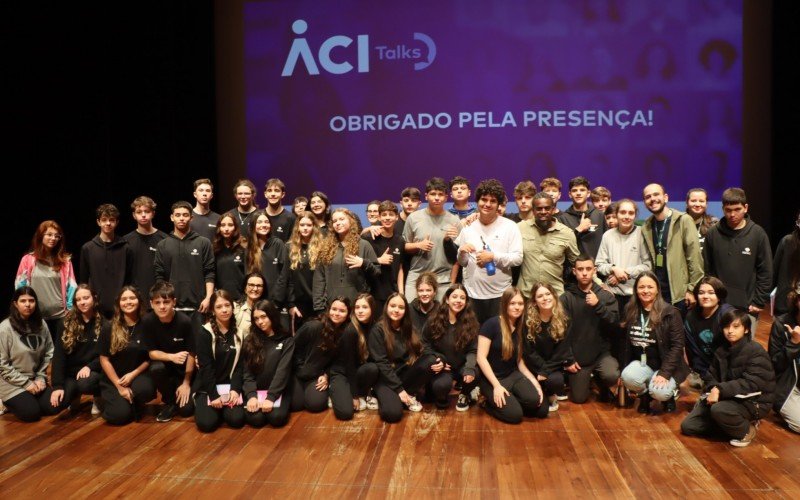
[441,383]
[73,388]
[278,417]
[555,383]
[116,409]
[167,377]
[413,377]
[342,394]
[730,417]
[486,308]
[29,408]
[208,418]
[606,372]
[305,396]
[522,402]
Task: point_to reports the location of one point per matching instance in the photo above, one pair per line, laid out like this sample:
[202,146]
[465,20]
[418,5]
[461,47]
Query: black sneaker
[669,405]
[462,403]
[166,413]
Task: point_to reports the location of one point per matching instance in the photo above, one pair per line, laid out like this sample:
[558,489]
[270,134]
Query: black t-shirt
[205,224]
[175,336]
[643,341]
[386,283]
[230,270]
[502,368]
[282,224]
[660,238]
[128,359]
[143,274]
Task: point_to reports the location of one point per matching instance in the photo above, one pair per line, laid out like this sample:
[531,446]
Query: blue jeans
[638,378]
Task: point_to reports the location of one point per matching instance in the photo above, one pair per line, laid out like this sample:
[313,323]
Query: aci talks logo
[301,51]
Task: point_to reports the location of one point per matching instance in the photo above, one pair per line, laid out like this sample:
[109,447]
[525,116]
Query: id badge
[643,359]
[659,260]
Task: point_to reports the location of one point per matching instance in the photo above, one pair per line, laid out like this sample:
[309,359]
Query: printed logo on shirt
[238,258]
[152,249]
[275,261]
[279,229]
[279,346]
[396,251]
[175,339]
[194,252]
[212,225]
[746,251]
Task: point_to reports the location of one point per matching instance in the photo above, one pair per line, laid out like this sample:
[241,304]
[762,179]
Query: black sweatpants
[29,408]
[73,388]
[342,394]
[486,308]
[305,395]
[523,399]
[116,409]
[278,417]
[606,372]
[730,417]
[413,377]
[208,418]
[441,383]
[167,377]
[555,383]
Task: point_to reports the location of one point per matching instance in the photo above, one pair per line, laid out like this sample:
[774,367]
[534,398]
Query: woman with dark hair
[267,352]
[255,287]
[703,333]
[739,386]
[316,345]
[266,254]
[424,306]
[352,374]
[304,246]
[47,268]
[320,206]
[126,386]
[786,273]
[395,346]
[784,351]
[451,337]
[546,349]
[76,361]
[25,351]
[346,262]
[696,205]
[230,256]
[653,352]
[218,385]
[510,389]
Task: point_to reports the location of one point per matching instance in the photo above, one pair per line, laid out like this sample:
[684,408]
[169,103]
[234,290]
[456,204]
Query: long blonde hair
[505,325]
[296,243]
[558,323]
[331,242]
[120,331]
[74,327]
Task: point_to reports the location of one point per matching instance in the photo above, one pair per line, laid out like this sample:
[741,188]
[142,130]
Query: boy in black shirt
[170,342]
[143,242]
[388,246]
[281,220]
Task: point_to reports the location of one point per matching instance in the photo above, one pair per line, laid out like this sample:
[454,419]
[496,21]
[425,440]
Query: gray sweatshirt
[626,251]
[23,358]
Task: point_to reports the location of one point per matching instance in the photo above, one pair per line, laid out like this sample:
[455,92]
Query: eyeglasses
[253,285]
[55,236]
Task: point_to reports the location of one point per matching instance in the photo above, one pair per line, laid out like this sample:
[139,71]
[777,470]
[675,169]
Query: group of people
[245,317]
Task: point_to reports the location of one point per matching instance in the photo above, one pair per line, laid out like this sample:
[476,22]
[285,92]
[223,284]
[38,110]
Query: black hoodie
[188,264]
[273,375]
[742,259]
[590,327]
[784,355]
[588,241]
[106,267]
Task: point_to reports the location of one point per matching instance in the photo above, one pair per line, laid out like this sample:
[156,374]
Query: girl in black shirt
[510,389]
[451,336]
[303,249]
[267,353]
[230,256]
[218,386]
[126,386]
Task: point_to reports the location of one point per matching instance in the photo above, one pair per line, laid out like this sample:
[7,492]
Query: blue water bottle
[489,266]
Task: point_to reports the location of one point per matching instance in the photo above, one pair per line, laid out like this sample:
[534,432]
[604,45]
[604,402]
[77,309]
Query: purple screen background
[682,60]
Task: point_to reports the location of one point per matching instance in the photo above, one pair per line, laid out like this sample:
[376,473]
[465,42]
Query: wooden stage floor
[591,450]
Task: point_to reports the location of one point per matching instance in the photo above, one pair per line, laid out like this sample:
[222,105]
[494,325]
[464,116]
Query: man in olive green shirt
[546,245]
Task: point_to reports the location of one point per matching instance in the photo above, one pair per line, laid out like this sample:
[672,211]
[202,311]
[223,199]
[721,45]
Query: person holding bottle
[487,250]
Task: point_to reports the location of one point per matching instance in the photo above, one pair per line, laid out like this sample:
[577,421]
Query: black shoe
[166,413]
[442,404]
[644,403]
[605,395]
[669,405]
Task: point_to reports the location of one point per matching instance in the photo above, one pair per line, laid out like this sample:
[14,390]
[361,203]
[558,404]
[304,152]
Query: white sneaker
[330,403]
[372,403]
[2,407]
[414,405]
[475,394]
[561,397]
[362,404]
[462,403]
[553,406]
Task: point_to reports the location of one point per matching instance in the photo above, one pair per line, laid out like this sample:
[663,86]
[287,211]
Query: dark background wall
[102,106]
